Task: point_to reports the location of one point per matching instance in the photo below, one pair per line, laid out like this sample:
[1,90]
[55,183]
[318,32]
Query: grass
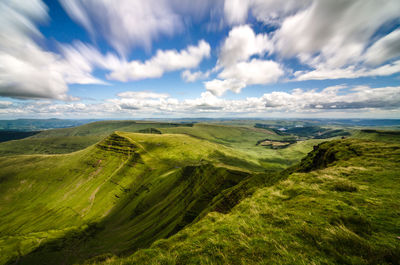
[240,138]
[345,213]
[112,197]
[67,140]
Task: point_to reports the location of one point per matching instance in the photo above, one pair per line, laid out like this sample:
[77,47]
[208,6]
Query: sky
[135,59]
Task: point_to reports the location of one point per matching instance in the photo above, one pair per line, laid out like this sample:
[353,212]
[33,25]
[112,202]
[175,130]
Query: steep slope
[111,198]
[340,205]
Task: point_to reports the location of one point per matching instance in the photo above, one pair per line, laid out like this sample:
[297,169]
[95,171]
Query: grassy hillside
[243,139]
[66,140]
[378,135]
[340,205]
[111,198]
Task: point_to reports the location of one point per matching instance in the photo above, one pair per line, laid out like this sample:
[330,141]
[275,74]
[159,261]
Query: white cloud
[349,72]
[384,49]
[236,10]
[131,23]
[338,39]
[253,72]
[142,95]
[268,11]
[361,97]
[238,70]
[5,104]
[26,70]
[219,87]
[82,59]
[242,43]
[163,61]
[359,101]
[189,76]
[126,23]
[336,31]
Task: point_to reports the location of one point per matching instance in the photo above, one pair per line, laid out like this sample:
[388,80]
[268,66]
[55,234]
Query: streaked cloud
[126,23]
[386,48]
[161,62]
[348,72]
[132,23]
[26,70]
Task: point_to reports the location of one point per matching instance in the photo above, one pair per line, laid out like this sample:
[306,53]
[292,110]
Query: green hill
[113,197]
[343,209]
[66,140]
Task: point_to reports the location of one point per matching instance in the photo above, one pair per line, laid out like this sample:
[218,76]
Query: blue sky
[210,58]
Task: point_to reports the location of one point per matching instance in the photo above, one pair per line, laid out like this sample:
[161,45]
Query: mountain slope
[340,205]
[113,197]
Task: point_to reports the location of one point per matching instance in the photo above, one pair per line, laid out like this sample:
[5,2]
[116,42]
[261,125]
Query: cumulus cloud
[219,87]
[254,72]
[242,43]
[163,61]
[238,71]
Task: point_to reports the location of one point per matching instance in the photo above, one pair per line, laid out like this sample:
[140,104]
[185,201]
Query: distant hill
[39,124]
